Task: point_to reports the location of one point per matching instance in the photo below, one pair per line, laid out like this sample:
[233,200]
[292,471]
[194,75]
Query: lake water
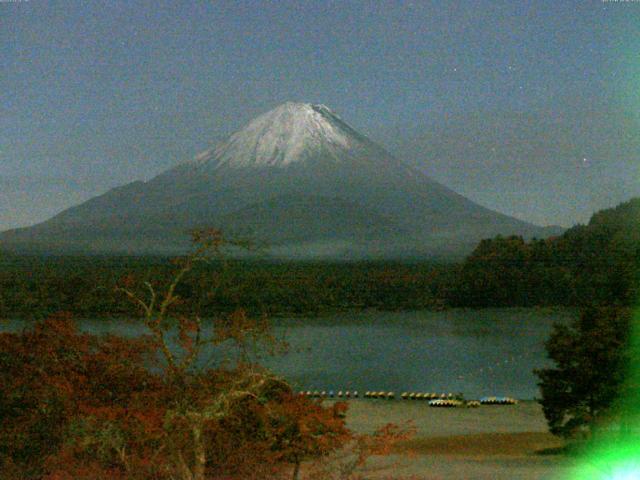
[475,352]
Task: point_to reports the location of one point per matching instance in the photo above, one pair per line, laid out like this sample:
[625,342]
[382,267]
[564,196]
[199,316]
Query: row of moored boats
[434,399]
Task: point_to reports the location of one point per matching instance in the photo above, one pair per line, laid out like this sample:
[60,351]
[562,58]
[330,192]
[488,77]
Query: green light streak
[614,453]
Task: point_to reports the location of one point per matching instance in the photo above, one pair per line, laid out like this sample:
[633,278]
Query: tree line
[597,262]
[34,287]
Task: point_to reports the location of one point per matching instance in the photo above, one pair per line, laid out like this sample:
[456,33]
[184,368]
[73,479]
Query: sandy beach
[489,442]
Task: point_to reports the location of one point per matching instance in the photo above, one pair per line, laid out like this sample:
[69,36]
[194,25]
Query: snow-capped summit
[298,178]
[292,132]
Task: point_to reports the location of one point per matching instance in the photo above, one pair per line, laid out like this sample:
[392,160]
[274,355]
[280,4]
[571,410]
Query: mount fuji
[297,177]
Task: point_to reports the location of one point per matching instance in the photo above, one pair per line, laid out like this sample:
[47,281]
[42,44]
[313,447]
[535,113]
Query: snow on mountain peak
[291,132]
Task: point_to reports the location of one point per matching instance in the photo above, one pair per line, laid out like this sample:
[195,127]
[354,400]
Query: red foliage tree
[81,406]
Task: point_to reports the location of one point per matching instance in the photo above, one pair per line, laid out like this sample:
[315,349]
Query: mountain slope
[297,177]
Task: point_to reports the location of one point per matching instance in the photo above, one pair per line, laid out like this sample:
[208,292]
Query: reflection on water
[476,352]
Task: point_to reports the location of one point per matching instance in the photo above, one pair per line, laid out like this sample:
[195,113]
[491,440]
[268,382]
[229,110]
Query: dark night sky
[528,107]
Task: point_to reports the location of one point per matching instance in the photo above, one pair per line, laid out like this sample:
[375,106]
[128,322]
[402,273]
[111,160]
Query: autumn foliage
[80,406]
[77,406]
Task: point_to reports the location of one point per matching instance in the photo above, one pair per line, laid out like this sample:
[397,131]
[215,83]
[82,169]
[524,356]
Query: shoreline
[486,443]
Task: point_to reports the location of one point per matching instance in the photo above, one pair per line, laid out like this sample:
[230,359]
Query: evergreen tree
[591,357]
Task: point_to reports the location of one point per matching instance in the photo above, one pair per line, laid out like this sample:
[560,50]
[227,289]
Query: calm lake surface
[476,352]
